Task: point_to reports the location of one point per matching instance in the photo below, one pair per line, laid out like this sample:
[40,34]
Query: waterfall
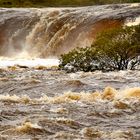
[49,32]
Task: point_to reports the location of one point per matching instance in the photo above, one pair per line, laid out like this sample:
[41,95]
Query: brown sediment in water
[132,92]
[76,83]
[4,79]
[64,135]
[91,132]
[109,93]
[44,103]
[41,68]
[40,104]
[60,110]
[14,99]
[117,135]
[121,105]
[12,68]
[28,128]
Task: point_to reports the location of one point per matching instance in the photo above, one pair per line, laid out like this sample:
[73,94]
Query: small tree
[114,49]
[119,48]
[80,59]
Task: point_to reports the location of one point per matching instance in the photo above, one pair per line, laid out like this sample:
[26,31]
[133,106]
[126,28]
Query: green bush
[114,49]
[79,59]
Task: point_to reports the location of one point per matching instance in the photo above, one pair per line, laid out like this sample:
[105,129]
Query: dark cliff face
[54,31]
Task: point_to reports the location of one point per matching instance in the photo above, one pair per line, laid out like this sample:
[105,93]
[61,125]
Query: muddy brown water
[51,104]
[41,104]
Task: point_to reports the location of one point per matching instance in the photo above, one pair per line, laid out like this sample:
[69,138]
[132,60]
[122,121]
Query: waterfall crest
[53,31]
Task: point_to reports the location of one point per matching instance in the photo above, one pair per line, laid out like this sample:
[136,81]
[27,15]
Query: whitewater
[39,102]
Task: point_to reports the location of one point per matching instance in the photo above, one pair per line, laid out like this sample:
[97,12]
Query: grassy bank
[58,3]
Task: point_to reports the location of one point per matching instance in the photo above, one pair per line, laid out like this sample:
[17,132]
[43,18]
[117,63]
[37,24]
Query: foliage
[79,59]
[118,47]
[114,49]
[46,3]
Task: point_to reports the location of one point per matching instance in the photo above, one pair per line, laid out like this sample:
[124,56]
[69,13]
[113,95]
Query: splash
[27,127]
[60,110]
[37,62]
[119,134]
[109,94]
[14,99]
[133,92]
[91,133]
[133,21]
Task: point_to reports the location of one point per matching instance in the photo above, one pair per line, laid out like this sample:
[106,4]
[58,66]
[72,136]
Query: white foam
[5,62]
[133,22]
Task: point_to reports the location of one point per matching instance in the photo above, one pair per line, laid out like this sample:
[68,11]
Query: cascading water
[54,31]
[41,104]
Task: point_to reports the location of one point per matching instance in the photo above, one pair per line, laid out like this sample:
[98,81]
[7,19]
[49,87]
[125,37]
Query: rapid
[51,104]
[39,102]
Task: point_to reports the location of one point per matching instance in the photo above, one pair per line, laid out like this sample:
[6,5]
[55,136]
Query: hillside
[56,3]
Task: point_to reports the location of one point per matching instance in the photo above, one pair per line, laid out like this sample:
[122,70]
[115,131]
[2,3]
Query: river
[39,102]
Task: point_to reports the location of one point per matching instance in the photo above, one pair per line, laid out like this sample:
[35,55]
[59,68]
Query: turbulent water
[39,103]
[54,31]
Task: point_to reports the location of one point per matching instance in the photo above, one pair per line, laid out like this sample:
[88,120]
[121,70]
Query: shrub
[114,49]
[80,59]
[119,48]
